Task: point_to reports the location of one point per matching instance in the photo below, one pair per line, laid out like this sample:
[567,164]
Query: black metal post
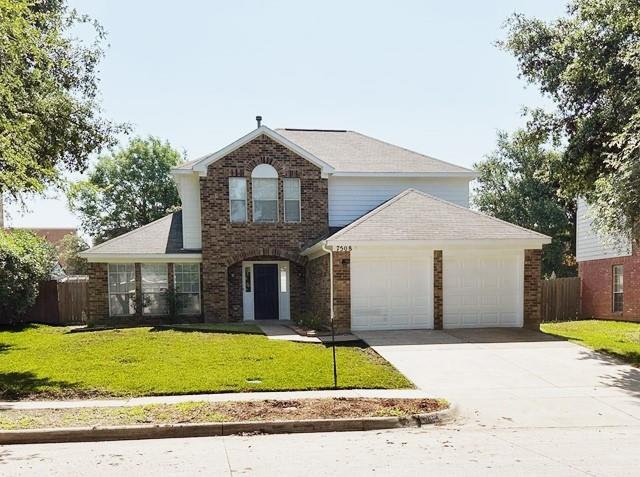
[333,345]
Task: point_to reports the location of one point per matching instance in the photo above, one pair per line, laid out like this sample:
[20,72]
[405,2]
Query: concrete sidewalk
[250,396]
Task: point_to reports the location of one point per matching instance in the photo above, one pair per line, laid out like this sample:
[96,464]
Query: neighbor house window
[618,288]
[155,285]
[187,286]
[264,185]
[238,199]
[292,200]
[122,289]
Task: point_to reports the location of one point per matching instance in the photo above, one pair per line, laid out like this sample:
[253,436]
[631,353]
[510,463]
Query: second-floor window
[292,200]
[238,199]
[264,185]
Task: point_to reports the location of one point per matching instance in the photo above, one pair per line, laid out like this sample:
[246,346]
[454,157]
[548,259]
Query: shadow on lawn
[211,328]
[18,385]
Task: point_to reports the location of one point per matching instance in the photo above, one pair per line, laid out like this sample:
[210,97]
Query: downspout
[330,252]
[333,332]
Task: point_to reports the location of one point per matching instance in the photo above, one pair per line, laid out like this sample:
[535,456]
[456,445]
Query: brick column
[342,290]
[215,294]
[532,291]
[437,290]
[98,291]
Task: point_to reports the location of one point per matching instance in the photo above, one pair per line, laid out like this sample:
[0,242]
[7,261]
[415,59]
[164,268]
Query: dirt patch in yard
[228,411]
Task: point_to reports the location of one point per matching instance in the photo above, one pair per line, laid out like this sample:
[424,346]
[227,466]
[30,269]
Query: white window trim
[109,292]
[175,288]
[246,208]
[284,200]
[167,311]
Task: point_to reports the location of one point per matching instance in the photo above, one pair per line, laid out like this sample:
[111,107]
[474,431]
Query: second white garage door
[391,292]
[482,289]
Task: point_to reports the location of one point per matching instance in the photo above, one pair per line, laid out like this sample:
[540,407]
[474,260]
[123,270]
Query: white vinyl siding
[155,284]
[352,197]
[589,246]
[189,190]
[187,288]
[122,289]
[291,200]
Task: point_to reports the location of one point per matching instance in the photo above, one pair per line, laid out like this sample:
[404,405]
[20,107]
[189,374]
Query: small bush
[311,321]
[25,261]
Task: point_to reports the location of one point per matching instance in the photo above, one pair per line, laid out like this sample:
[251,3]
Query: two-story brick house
[287,221]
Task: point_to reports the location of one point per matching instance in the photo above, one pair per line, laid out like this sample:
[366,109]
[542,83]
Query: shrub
[311,321]
[25,260]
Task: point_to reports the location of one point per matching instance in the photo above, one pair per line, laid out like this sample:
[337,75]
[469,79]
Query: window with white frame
[122,289]
[187,288]
[155,284]
[618,288]
[292,200]
[238,200]
[264,189]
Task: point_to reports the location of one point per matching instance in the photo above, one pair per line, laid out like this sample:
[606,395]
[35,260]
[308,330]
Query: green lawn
[618,338]
[49,362]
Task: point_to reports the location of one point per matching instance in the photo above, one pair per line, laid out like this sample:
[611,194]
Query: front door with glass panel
[265,282]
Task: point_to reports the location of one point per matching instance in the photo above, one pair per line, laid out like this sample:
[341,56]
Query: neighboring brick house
[329,222]
[609,273]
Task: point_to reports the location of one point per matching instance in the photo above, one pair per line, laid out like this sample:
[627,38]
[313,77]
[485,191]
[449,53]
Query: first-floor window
[187,284]
[122,289]
[618,288]
[154,289]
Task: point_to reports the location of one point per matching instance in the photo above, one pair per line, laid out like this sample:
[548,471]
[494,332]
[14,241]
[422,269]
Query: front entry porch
[266,290]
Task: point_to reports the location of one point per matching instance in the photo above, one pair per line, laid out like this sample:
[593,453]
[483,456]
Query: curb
[164,431]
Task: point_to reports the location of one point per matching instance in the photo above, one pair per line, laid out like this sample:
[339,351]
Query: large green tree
[50,120]
[516,184]
[127,189]
[588,64]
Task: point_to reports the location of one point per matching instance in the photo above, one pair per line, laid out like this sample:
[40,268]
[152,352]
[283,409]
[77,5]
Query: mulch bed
[228,411]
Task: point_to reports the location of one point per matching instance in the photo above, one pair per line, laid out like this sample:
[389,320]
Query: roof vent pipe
[259,120]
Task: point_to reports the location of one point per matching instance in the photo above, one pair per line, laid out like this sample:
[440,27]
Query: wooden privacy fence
[61,302]
[560,299]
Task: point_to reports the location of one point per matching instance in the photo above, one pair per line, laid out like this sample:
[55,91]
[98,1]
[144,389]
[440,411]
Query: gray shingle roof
[414,215]
[162,236]
[350,151]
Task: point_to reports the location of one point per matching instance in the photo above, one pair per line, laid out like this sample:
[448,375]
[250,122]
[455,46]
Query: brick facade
[342,290]
[597,288]
[98,292]
[225,244]
[318,287]
[438,312]
[532,291]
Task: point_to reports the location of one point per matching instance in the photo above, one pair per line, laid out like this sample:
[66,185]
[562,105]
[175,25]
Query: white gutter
[330,252]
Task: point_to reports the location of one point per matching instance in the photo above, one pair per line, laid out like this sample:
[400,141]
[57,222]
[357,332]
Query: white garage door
[482,289]
[391,292]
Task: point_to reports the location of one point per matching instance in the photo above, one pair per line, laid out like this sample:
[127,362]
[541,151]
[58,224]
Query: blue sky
[420,74]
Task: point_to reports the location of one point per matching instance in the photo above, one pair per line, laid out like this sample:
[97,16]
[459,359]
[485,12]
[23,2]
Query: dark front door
[265,293]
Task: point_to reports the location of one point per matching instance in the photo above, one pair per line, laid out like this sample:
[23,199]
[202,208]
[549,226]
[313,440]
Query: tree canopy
[588,64]
[127,189]
[68,249]
[516,184]
[50,119]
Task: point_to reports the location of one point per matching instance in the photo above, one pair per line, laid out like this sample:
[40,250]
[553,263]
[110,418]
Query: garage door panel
[390,292]
[482,290]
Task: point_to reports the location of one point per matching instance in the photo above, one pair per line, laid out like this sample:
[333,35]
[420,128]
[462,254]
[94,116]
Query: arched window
[264,182]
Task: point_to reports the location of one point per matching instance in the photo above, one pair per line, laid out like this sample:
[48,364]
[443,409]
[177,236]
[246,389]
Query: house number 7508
[343,248]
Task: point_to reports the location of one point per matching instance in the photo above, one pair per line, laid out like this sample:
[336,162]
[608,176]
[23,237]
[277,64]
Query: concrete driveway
[515,378]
